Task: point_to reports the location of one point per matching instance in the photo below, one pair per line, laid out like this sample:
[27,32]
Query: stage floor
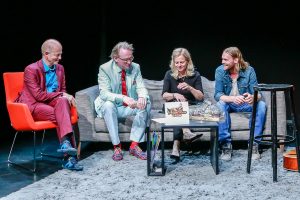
[13,178]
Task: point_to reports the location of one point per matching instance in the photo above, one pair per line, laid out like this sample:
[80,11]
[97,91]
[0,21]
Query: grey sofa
[93,128]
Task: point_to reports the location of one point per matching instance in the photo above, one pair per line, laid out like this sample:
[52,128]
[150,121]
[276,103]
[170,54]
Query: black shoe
[175,158]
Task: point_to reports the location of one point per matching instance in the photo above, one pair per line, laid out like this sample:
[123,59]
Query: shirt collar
[47,68]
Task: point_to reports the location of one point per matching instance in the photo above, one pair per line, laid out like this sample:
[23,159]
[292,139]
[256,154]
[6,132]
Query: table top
[272,87]
[192,123]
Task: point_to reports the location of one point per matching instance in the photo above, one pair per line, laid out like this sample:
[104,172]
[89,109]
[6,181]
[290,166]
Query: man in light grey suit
[123,93]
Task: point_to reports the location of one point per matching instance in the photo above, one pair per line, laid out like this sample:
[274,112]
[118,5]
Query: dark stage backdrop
[267,35]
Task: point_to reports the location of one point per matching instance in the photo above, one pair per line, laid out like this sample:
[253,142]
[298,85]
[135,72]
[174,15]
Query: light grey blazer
[109,80]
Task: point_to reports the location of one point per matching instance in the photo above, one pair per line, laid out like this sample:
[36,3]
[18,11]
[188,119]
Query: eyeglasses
[127,59]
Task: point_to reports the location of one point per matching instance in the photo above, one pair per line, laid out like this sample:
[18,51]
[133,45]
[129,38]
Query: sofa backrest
[155,91]
[208,89]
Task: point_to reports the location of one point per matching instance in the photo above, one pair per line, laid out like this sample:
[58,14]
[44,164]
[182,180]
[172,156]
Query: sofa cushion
[155,92]
[241,122]
[208,89]
[125,124]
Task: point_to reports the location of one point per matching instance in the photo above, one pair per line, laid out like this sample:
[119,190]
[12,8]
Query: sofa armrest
[86,112]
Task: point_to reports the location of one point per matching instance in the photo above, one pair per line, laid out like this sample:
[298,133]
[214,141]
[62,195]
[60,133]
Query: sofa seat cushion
[125,124]
[240,121]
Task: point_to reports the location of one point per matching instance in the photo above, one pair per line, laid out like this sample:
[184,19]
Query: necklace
[181,79]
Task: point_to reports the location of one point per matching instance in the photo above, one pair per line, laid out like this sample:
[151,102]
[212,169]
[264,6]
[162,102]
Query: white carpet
[193,178]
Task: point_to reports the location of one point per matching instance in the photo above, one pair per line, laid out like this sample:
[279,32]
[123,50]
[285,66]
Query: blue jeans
[224,127]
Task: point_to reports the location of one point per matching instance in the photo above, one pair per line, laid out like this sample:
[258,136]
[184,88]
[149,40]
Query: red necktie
[124,90]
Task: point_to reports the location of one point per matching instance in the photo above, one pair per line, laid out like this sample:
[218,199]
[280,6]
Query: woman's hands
[184,86]
[179,97]
[196,93]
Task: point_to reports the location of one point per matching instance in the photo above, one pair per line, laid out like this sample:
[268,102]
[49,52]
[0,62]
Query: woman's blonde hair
[236,53]
[190,66]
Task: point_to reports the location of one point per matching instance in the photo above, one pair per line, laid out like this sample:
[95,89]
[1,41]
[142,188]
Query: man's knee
[62,105]
[62,102]
[261,104]
[108,106]
[222,105]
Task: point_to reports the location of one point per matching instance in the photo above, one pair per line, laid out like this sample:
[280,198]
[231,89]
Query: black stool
[279,139]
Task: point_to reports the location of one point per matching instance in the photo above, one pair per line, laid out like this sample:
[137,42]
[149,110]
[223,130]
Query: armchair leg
[34,157]
[79,150]
[46,154]
[12,146]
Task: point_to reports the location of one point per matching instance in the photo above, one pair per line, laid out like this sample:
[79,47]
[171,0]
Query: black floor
[13,178]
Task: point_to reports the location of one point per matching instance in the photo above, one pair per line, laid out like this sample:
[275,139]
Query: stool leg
[148,151]
[250,146]
[274,134]
[298,148]
[163,151]
[295,126]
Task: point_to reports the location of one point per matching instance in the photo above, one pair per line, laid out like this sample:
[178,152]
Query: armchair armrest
[20,116]
[74,115]
[86,111]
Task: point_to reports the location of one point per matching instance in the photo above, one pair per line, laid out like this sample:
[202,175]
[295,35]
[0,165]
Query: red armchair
[20,116]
